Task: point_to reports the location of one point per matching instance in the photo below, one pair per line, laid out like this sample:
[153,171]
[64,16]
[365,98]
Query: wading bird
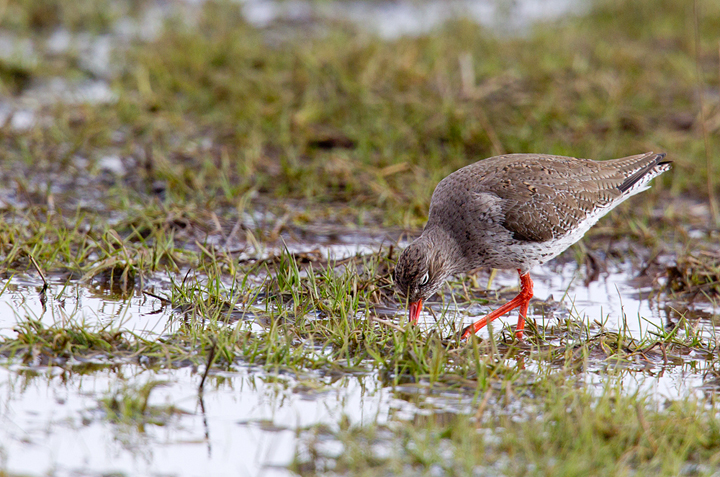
[514,212]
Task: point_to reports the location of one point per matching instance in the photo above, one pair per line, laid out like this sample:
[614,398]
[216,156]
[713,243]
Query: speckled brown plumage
[515,211]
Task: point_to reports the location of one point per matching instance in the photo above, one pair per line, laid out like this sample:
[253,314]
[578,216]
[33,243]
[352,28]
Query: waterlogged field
[201,206]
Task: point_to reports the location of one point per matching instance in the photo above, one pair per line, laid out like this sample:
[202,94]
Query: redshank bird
[514,212]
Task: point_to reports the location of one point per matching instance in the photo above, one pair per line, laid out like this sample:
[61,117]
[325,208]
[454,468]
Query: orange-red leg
[522,300]
[522,316]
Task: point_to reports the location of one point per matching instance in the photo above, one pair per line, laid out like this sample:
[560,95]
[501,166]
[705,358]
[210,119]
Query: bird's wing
[548,196]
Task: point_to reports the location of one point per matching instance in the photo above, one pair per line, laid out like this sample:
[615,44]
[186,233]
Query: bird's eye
[424,279]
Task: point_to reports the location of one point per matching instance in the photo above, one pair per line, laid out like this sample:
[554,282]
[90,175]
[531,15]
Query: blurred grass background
[331,113]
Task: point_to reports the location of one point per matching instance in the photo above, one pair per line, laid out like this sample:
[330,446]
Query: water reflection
[243,424]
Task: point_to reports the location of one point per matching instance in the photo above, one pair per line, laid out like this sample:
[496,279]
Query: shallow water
[612,301]
[68,302]
[52,419]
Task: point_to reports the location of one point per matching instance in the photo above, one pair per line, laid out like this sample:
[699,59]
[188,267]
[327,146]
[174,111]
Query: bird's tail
[639,178]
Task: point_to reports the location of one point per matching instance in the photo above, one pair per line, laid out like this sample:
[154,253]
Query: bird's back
[533,198]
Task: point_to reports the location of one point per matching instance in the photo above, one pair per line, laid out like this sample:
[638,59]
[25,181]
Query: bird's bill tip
[414,311]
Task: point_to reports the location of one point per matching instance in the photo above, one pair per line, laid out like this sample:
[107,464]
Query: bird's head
[420,272]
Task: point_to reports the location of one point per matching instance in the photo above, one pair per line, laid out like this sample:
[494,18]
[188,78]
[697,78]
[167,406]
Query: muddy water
[53,419]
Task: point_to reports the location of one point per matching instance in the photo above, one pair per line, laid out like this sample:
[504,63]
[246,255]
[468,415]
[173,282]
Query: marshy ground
[201,205]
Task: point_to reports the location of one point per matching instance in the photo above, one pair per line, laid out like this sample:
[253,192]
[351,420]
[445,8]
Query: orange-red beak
[414,311]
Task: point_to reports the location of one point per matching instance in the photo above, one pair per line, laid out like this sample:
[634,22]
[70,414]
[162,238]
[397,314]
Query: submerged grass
[568,431]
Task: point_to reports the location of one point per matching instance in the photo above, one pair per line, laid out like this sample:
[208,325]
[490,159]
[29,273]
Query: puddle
[672,383]
[76,302]
[56,421]
[52,419]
